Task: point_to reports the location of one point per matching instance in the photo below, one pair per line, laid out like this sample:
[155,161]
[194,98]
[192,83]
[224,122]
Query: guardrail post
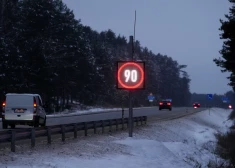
[110,125]
[116,124]
[102,126]
[75,131]
[32,137]
[145,119]
[141,120]
[63,132]
[127,123]
[122,123]
[85,128]
[13,139]
[94,125]
[48,135]
[135,121]
[122,113]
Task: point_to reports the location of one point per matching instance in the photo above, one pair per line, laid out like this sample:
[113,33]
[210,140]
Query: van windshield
[19,100]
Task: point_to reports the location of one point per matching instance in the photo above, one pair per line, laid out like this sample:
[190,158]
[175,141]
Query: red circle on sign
[141,78]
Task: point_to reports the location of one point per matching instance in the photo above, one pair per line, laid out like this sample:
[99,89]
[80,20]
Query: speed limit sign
[130,75]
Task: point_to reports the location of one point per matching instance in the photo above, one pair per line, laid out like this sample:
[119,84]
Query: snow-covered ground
[77,112]
[180,143]
[90,111]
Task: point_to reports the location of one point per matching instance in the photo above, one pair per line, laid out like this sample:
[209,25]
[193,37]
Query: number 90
[130,75]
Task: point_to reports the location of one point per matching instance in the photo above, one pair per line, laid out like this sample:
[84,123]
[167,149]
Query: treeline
[216,100]
[45,50]
[225,144]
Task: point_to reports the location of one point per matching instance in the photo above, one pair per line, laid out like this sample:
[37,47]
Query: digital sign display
[130,75]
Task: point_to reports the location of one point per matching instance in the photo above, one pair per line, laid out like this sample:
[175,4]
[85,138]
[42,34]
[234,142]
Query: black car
[196,105]
[165,104]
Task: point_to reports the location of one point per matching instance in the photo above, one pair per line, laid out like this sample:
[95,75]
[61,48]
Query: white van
[23,109]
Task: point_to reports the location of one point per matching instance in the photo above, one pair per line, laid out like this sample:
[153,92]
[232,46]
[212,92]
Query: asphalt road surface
[151,112]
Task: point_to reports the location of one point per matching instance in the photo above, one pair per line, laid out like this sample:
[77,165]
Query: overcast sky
[186,30]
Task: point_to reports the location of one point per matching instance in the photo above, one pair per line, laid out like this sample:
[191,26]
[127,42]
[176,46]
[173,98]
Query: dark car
[196,105]
[165,104]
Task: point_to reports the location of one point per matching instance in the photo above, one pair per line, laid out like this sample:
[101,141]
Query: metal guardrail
[32,133]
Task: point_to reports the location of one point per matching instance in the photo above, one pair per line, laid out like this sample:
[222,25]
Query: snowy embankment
[90,111]
[184,142]
[81,112]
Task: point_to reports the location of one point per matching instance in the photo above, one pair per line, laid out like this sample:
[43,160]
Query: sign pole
[130,115]
[130,95]
[130,91]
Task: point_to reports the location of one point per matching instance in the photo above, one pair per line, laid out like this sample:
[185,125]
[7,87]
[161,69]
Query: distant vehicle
[230,106]
[23,109]
[165,104]
[196,105]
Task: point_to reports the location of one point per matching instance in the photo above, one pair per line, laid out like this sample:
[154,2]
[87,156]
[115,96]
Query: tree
[227,62]
[47,51]
[8,50]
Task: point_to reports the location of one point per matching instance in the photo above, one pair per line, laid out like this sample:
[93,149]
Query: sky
[186,30]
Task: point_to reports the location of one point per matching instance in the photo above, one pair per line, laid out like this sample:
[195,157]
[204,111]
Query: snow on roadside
[93,110]
[184,142]
[90,111]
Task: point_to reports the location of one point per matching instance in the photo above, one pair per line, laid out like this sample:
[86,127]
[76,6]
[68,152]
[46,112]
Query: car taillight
[168,104]
[161,103]
[3,110]
[3,106]
[34,105]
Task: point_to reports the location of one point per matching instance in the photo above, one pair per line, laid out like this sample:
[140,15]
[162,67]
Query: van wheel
[4,125]
[44,123]
[36,122]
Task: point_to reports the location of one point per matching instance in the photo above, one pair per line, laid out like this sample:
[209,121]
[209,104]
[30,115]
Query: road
[151,112]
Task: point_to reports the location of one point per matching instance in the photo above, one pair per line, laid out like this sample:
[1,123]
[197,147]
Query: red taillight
[3,110]
[3,106]
[35,105]
[34,102]
[168,104]
[161,103]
